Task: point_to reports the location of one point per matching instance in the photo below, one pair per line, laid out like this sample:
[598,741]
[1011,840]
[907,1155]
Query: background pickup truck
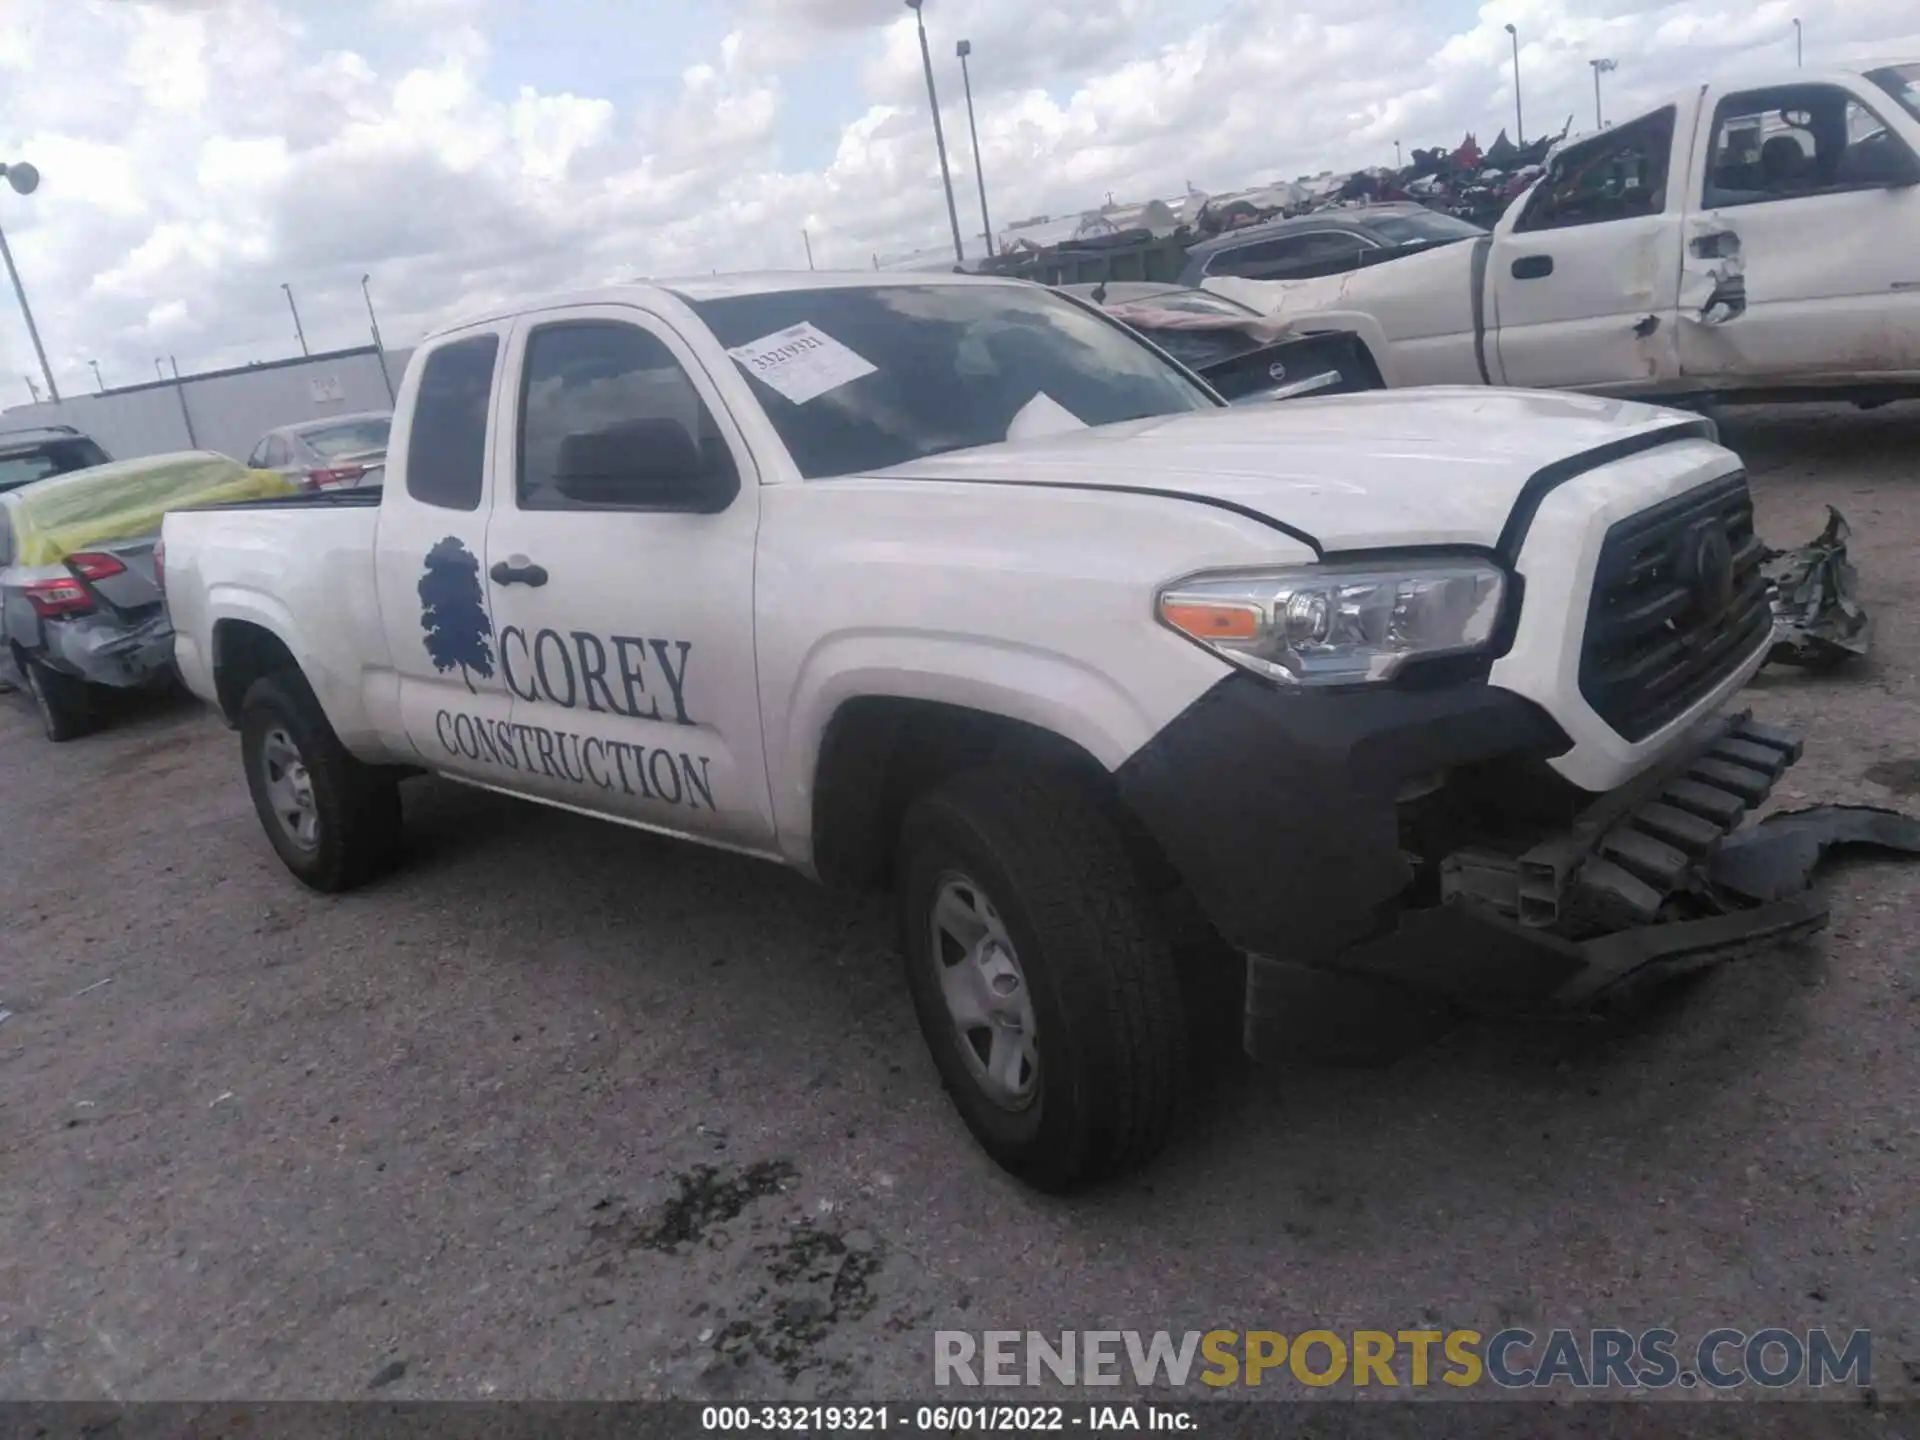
[1142,705]
[1746,242]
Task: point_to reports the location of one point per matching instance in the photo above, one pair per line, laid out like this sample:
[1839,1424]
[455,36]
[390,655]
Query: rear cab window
[447,439]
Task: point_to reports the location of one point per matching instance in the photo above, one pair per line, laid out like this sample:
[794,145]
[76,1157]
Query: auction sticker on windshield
[802,362]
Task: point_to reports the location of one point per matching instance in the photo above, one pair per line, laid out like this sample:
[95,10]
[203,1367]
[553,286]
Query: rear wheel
[333,820]
[61,700]
[1047,995]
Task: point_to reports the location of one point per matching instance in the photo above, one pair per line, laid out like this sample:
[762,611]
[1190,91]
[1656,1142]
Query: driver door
[622,594]
[1583,279]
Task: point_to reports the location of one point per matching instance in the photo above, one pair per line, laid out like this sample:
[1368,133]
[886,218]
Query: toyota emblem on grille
[1276,372]
[1707,570]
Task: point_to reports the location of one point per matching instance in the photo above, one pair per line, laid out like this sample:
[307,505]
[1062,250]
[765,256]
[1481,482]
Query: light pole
[1796,44]
[939,135]
[98,382]
[296,318]
[25,180]
[1519,126]
[1600,67]
[1399,160]
[963,50]
[379,350]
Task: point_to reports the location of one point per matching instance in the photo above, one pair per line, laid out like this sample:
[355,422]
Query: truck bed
[302,567]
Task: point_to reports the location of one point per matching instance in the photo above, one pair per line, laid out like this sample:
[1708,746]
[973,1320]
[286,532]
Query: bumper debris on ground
[1818,619]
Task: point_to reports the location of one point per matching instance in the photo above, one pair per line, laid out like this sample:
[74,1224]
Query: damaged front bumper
[1287,816]
[1630,891]
[1624,897]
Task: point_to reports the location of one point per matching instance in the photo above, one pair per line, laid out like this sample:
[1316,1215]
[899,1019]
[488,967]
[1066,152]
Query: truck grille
[1678,603]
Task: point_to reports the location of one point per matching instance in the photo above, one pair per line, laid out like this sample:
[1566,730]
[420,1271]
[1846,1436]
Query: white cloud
[198,153]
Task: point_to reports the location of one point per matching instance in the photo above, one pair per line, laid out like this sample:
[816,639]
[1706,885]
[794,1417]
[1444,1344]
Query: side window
[1251,261]
[1294,257]
[1798,140]
[609,420]
[1617,176]
[447,444]
[6,538]
[278,451]
[258,459]
[1329,252]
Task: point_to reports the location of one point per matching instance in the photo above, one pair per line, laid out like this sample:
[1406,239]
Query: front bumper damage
[1631,885]
[1629,889]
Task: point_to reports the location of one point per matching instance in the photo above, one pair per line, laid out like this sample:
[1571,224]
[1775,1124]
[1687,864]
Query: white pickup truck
[958,585]
[1744,242]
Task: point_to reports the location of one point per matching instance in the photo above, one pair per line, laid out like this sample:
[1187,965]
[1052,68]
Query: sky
[196,155]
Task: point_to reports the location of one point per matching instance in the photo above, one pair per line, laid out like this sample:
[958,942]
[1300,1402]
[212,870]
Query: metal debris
[1817,619]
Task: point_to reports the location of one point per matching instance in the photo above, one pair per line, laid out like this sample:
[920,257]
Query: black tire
[355,807]
[1110,1033]
[61,700]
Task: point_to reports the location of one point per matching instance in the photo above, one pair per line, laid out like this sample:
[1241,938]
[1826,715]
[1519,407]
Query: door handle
[1532,267]
[518,570]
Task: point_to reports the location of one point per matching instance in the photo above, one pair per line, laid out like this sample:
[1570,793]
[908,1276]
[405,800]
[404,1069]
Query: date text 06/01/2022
[946,1419]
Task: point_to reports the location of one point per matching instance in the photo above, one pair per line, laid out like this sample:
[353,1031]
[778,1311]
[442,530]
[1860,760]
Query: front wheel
[1046,993]
[334,820]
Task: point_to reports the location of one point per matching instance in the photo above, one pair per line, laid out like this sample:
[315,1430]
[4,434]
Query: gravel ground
[562,1110]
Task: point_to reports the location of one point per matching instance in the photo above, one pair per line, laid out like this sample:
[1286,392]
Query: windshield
[1902,82]
[354,438]
[1424,228]
[897,372]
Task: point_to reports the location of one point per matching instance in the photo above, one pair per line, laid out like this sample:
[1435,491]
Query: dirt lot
[563,1110]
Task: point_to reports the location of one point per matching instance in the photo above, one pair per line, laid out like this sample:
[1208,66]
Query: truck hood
[1435,466]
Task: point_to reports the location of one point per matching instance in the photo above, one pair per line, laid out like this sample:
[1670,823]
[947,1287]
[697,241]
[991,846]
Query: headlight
[1335,624]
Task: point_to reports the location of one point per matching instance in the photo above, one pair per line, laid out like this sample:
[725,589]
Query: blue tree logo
[454,614]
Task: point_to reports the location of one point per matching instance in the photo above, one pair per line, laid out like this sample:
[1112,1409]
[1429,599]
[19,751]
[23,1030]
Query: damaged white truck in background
[1746,242]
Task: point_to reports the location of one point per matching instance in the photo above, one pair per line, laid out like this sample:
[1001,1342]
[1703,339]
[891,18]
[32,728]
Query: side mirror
[649,464]
[1881,161]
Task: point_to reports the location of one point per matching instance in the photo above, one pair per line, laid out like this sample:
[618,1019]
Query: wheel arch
[878,752]
[245,650]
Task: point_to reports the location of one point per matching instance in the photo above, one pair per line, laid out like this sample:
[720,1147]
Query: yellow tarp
[127,499]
